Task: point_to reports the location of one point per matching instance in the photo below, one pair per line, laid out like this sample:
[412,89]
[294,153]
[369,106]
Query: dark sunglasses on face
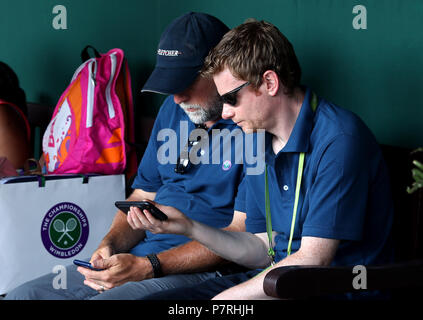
[230,97]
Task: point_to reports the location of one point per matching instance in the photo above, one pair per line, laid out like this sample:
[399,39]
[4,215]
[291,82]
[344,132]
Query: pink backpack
[93,119]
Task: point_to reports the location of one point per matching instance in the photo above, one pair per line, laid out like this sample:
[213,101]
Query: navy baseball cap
[182,49]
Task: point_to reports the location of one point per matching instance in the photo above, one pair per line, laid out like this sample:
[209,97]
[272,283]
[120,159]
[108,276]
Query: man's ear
[271,82]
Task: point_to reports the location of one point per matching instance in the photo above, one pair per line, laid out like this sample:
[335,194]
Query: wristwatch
[157,269]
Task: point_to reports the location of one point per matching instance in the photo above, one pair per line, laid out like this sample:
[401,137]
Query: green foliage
[417,173]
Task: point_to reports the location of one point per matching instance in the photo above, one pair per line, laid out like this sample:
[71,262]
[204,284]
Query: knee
[23,292]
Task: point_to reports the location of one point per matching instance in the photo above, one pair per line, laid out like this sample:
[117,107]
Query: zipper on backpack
[82,66]
[111,108]
[90,93]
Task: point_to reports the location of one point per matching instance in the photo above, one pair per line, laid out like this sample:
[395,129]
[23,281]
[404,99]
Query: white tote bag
[52,221]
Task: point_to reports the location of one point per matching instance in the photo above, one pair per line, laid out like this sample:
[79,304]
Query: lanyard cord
[297,196]
[271,251]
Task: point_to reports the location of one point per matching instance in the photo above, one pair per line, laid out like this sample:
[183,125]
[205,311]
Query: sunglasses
[183,162]
[230,97]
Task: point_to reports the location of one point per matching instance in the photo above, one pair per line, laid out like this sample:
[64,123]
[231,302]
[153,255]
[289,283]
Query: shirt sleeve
[256,217]
[338,196]
[240,204]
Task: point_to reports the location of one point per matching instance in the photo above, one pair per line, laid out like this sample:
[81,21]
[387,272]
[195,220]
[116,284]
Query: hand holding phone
[156,212]
[85,264]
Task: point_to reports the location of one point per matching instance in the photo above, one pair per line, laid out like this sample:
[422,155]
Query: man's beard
[202,114]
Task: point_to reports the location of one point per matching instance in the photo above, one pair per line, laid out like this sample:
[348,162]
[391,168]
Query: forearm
[243,248]
[253,288]
[313,251]
[188,258]
[121,237]
[195,257]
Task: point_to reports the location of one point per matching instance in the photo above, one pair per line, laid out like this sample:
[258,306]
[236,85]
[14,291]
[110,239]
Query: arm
[243,248]
[193,256]
[119,268]
[121,237]
[14,144]
[313,251]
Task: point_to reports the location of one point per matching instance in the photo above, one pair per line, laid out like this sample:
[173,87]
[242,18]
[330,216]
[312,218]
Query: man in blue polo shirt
[325,189]
[205,190]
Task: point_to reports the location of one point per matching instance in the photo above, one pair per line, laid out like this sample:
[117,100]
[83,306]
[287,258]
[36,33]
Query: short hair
[251,49]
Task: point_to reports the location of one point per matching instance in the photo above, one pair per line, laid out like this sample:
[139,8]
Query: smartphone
[85,264]
[156,212]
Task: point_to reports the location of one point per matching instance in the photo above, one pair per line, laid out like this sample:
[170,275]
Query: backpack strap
[85,55]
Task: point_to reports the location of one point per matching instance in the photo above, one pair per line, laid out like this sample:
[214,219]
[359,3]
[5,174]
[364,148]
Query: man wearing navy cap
[137,263]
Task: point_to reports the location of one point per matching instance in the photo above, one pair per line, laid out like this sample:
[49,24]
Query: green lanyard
[271,251]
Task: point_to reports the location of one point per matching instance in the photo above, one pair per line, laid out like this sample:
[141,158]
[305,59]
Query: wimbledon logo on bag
[64,230]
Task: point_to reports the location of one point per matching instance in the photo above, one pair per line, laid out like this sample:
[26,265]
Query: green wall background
[377,72]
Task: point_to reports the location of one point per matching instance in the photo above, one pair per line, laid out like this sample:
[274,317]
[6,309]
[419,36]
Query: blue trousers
[205,290]
[42,288]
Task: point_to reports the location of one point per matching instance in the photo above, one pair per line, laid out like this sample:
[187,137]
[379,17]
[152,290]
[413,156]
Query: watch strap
[157,269]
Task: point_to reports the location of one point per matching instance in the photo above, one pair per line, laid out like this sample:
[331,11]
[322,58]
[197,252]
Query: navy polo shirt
[207,191]
[345,192]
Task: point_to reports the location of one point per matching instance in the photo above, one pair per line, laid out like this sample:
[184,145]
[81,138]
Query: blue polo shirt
[345,191]
[207,191]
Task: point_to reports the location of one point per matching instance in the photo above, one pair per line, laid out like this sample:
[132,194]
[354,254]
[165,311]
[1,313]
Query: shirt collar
[299,140]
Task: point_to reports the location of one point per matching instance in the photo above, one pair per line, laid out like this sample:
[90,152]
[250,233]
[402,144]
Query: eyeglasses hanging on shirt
[183,163]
